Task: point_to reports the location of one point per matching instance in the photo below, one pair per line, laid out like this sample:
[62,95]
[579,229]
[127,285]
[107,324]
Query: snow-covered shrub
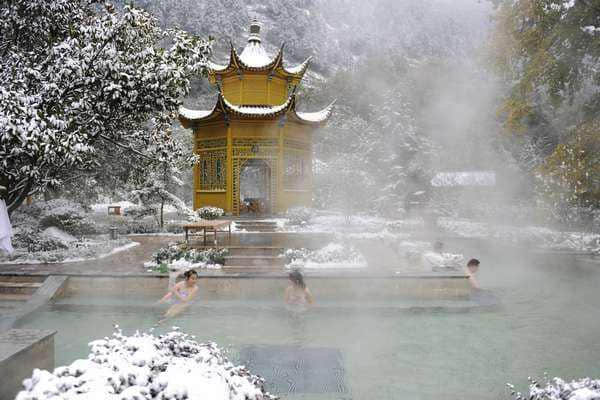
[31,239]
[66,215]
[209,212]
[138,212]
[404,225]
[144,366]
[292,255]
[127,226]
[558,389]
[174,227]
[174,252]
[299,215]
[334,254]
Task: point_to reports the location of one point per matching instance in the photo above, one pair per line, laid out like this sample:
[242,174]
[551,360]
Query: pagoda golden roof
[254,58]
[225,111]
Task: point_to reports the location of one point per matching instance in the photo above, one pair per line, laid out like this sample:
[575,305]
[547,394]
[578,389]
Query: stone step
[271,251]
[8,305]
[22,278]
[266,261]
[13,297]
[255,222]
[257,228]
[19,287]
[252,268]
[255,251]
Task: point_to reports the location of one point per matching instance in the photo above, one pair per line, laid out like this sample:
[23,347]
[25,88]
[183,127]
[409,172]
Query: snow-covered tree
[80,79]
[157,188]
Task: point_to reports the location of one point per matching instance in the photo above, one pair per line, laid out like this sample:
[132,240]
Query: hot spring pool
[548,321]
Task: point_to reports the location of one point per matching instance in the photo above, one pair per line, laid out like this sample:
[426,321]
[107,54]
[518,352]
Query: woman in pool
[182,295]
[297,294]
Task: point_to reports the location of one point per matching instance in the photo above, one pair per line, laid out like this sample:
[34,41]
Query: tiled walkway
[127,262]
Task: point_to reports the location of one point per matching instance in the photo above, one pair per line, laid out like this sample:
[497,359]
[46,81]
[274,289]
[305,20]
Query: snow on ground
[337,223]
[333,255]
[77,251]
[143,366]
[527,235]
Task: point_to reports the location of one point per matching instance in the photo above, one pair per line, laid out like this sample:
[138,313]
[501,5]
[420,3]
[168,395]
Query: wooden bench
[116,210]
[208,225]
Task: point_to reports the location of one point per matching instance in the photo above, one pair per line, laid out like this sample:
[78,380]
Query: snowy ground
[143,366]
[80,250]
[528,235]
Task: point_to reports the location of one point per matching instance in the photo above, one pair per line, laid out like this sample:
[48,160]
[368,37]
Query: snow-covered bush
[332,255]
[144,366]
[209,212]
[299,215]
[558,389]
[174,255]
[173,227]
[138,212]
[69,220]
[30,238]
[126,226]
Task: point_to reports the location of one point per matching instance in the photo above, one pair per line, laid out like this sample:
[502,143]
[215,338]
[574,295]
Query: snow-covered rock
[59,234]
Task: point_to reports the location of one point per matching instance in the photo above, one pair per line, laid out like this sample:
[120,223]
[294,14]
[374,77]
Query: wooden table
[208,225]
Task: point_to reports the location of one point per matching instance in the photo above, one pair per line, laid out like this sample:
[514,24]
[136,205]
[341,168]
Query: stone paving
[127,262]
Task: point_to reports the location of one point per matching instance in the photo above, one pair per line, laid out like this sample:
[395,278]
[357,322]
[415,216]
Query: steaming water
[549,322]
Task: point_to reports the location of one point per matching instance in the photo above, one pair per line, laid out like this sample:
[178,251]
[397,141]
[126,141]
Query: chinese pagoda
[255,149]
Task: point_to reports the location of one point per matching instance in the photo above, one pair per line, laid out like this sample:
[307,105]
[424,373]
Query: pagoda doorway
[255,188]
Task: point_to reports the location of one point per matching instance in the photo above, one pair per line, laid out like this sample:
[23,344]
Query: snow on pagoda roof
[216,67]
[317,116]
[258,110]
[224,107]
[298,69]
[194,114]
[466,178]
[255,56]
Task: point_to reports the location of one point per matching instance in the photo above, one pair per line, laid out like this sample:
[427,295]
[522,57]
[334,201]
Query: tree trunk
[162,206]
[14,201]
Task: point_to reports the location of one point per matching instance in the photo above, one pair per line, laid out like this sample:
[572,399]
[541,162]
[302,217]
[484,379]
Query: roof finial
[254,31]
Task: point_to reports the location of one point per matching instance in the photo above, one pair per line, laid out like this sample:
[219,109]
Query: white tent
[5,229]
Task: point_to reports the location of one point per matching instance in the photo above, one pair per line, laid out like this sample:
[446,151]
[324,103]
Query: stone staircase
[16,290]
[256,226]
[254,259]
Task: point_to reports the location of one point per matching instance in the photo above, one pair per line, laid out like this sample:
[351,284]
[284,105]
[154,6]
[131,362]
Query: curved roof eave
[299,69]
[317,117]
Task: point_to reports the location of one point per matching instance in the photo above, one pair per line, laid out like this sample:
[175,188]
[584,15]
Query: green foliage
[571,173]
[548,53]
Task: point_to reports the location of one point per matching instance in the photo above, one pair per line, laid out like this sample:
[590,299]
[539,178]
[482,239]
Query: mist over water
[415,97]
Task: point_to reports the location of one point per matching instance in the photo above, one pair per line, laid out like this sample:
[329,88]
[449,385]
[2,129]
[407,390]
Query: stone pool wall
[267,287]
[22,350]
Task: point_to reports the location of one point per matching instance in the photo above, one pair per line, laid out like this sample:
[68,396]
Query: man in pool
[471,271]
